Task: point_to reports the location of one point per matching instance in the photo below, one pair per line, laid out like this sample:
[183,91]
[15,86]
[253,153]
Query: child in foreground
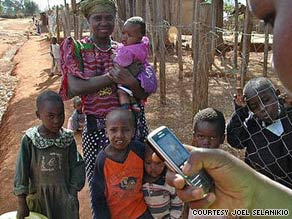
[49,170]
[208,128]
[208,132]
[160,198]
[117,178]
[134,48]
[263,126]
[76,121]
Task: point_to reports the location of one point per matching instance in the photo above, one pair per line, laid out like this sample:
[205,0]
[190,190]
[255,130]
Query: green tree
[30,7]
[13,6]
[229,6]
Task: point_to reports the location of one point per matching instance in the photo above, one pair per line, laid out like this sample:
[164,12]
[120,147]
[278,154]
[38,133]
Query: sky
[43,4]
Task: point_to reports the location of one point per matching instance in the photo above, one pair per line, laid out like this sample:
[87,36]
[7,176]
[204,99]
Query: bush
[12,16]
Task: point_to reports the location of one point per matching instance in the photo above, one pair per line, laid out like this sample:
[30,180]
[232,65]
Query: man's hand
[232,180]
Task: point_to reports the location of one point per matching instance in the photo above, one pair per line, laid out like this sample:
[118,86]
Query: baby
[134,48]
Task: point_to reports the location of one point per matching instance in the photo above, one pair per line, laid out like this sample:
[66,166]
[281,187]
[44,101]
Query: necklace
[103,50]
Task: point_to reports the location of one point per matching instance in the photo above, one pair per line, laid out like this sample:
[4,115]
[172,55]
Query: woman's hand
[135,68]
[122,75]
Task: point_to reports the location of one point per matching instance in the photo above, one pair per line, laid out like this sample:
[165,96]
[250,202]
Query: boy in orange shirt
[117,178]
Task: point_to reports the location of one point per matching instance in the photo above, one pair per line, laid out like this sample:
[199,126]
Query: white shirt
[55,50]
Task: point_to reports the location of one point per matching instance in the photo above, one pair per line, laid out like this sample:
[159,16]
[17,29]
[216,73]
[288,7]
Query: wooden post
[246,45]
[75,20]
[58,24]
[80,26]
[129,9]
[64,25]
[214,31]
[162,78]
[119,22]
[133,7]
[195,49]
[219,21]
[121,5]
[266,51]
[167,14]
[236,29]
[201,55]
[66,21]
[139,8]
[179,41]
[152,20]
[204,57]
[173,12]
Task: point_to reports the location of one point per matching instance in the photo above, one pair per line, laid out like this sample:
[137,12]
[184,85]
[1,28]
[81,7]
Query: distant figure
[38,27]
[49,169]
[77,121]
[33,19]
[55,53]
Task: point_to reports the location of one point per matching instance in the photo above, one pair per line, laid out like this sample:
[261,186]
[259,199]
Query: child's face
[131,34]
[264,104]
[206,135]
[52,116]
[120,132]
[54,40]
[153,168]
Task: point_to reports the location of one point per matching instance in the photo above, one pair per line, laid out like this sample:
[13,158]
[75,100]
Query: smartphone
[169,147]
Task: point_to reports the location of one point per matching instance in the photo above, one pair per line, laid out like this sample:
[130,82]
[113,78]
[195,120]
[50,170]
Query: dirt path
[33,63]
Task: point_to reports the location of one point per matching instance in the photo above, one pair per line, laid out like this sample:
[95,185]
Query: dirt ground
[31,66]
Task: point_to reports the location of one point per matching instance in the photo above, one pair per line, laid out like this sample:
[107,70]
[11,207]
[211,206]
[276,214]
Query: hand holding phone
[168,146]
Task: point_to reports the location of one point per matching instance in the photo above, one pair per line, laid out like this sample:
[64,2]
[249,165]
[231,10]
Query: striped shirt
[95,63]
[162,200]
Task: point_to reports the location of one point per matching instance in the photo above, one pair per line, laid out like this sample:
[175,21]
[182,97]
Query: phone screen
[172,147]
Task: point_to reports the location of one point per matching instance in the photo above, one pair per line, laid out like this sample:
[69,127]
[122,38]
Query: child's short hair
[48,95]
[148,149]
[257,84]
[139,21]
[121,114]
[54,39]
[77,101]
[213,116]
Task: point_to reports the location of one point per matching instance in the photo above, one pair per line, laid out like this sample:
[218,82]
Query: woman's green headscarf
[89,7]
